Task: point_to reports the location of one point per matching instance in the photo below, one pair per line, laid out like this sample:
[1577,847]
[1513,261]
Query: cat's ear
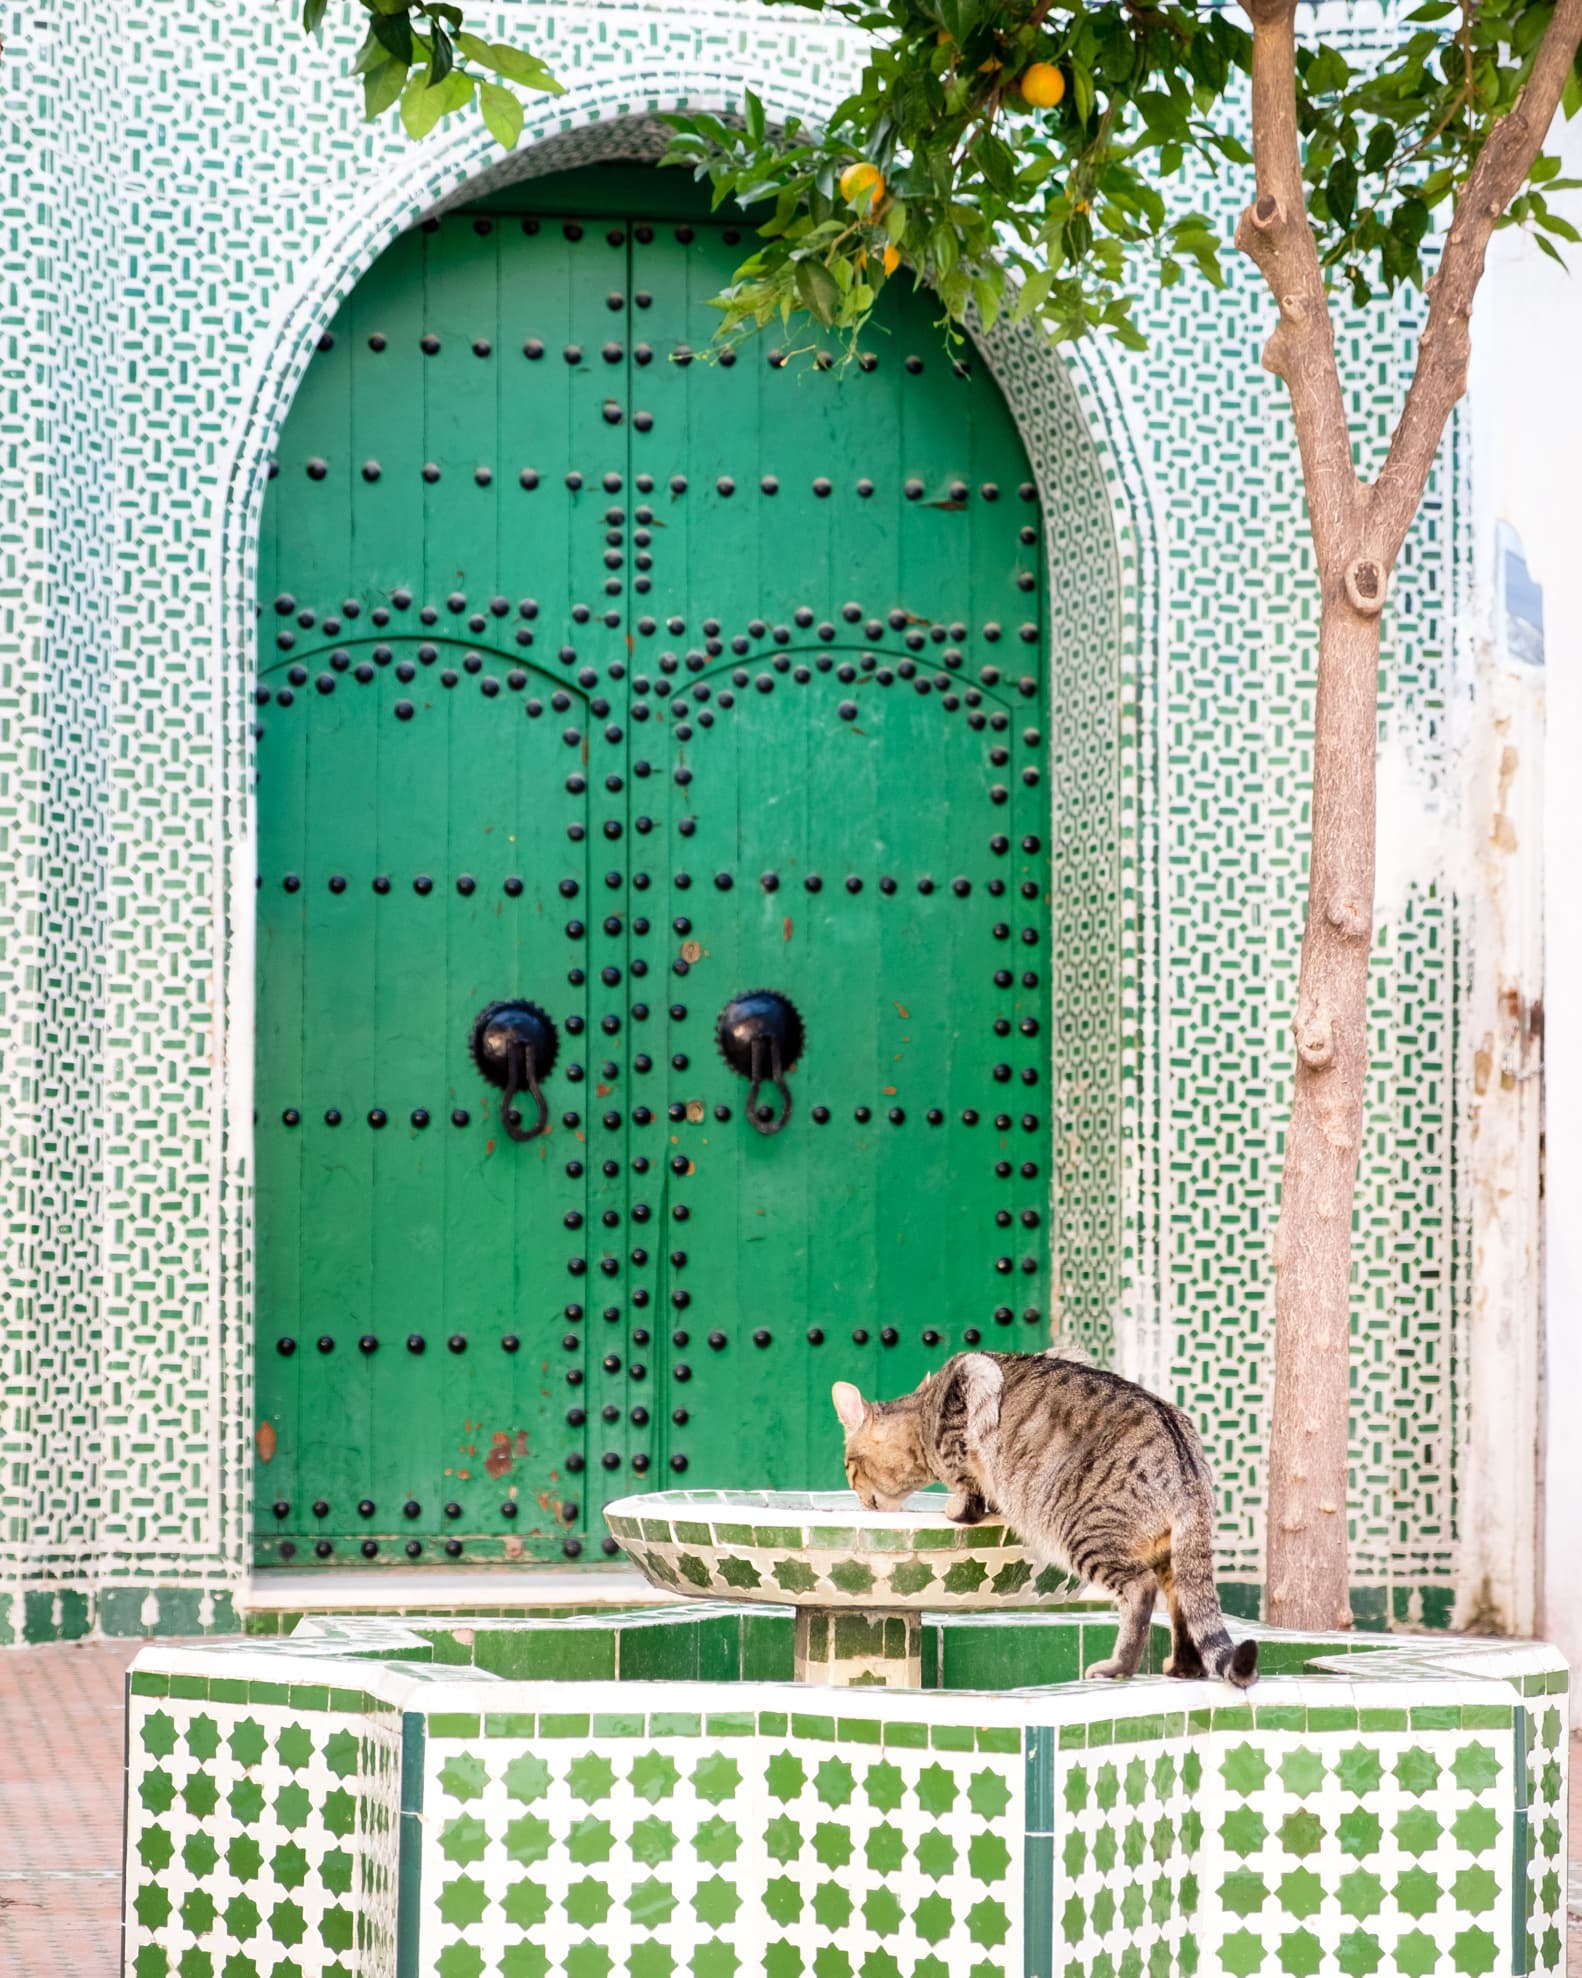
[849,1404]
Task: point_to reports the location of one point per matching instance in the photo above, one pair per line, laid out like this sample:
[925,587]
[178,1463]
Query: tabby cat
[1094,1473]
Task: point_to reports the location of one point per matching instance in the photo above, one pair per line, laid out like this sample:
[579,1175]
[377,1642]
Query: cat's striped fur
[1095,1474]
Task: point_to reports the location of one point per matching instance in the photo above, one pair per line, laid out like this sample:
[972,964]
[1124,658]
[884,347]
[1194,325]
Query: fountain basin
[859,1580]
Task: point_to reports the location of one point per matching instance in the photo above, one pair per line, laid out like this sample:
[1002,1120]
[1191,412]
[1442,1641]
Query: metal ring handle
[522,1077]
[778,1076]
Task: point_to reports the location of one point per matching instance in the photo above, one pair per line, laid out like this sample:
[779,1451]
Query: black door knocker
[514,1045]
[760,1035]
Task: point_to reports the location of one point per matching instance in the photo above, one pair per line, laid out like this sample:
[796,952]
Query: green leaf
[1169,272]
[423,104]
[382,85]
[816,287]
[1340,189]
[394,33]
[502,112]
[441,58]
[1381,148]
[1549,248]
[986,293]
[313,15]
[1328,72]
[754,118]
[1435,10]
[516,65]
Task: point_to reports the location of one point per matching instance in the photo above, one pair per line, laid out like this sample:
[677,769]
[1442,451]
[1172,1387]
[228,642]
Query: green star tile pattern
[266,1837]
[1399,1809]
[865,1855]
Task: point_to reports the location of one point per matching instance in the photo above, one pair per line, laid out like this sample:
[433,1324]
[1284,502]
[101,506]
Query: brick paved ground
[60,1813]
[60,1809]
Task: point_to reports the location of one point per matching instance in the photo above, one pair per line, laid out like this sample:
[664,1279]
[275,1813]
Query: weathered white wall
[1527,337]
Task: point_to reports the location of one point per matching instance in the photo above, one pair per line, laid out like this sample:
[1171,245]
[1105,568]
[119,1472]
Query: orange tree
[1032,157]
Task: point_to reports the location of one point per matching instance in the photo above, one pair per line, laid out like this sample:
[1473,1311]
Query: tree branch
[1274,232]
[1446,342]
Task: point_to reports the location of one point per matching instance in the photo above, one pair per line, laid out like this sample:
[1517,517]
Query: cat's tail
[1194,1601]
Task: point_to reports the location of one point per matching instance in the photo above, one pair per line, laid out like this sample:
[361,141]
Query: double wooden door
[620,682]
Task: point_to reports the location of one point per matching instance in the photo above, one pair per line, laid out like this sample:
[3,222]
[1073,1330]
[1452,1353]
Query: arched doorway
[626,683]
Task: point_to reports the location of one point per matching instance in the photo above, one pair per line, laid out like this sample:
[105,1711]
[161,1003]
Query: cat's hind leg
[1134,1599]
[1183,1660]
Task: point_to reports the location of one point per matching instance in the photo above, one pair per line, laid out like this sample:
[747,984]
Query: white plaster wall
[1527,333]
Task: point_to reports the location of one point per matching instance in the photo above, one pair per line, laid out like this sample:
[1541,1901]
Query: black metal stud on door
[514,1045]
[760,1035]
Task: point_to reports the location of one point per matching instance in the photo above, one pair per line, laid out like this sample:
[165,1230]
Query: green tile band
[1038,1862]
[409,1858]
[1519,1844]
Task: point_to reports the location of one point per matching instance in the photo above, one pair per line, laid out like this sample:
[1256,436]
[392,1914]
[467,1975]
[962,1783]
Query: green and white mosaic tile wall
[182,219]
[648,1795]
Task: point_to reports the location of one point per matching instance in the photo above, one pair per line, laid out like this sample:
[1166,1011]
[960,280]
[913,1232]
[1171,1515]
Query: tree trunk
[1357,533]
[1307,1554]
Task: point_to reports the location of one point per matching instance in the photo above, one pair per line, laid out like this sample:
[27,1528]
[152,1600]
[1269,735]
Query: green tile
[1234,1717]
[861,1730]
[192,1688]
[913,1737]
[352,1702]
[1436,1716]
[1074,1737]
[1331,1717]
[510,1724]
[1382,1720]
[999,1738]
[772,1723]
[822,1728]
[953,1737]
[151,1682]
[730,1724]
[268,1693]
[621,1725]
[1280,1716]
[455,1724]
[566,1726]
[310,1696]
[673,1724]
[1138,1730]
[1485,1716]
[227,1689]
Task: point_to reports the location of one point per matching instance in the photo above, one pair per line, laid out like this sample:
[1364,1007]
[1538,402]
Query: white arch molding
[1104,587]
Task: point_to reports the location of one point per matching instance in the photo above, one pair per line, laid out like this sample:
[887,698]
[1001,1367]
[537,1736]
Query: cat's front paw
[964,1507]
[1108,1671]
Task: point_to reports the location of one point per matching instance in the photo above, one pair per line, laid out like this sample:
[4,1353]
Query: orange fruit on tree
[862,184]
[1043,85]
[892,258]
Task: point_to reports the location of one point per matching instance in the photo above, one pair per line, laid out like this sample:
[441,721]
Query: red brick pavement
[60,1813]
[60,1809]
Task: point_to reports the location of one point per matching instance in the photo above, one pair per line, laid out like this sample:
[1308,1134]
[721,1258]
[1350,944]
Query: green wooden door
[627,683]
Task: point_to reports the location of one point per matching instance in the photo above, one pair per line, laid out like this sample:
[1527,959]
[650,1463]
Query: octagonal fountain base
[650,1793]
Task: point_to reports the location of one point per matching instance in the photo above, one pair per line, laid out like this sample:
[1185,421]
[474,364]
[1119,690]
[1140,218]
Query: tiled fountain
[695,1788]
